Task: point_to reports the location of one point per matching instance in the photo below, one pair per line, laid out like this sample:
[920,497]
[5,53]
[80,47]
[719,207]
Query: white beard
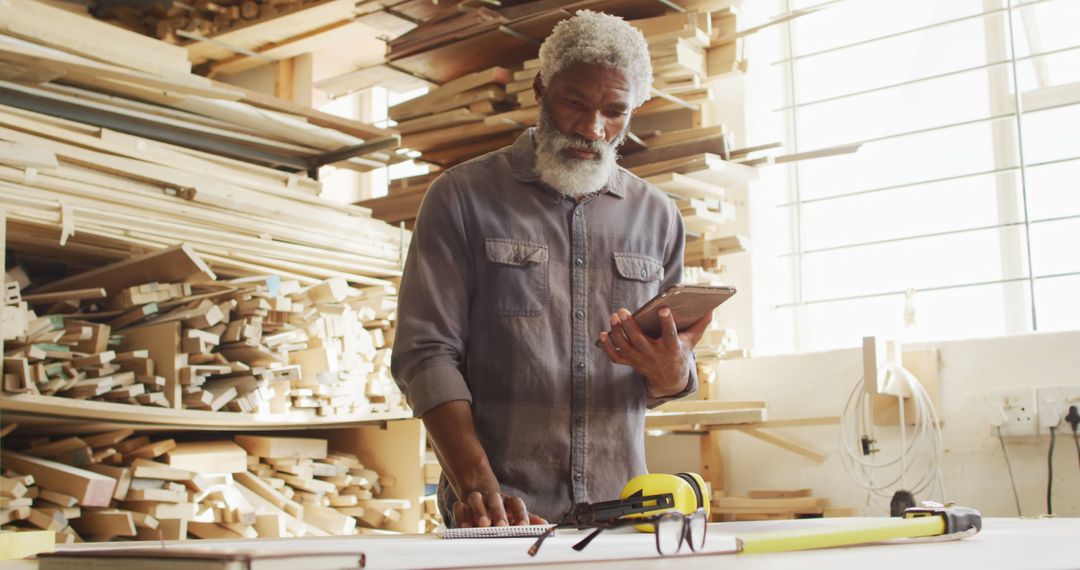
[573,176]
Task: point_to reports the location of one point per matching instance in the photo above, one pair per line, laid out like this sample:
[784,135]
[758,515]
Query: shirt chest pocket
[520,281]
[637,279]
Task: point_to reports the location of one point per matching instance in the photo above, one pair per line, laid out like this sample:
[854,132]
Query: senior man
[520,260]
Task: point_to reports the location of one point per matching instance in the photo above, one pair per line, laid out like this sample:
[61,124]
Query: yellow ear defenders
[653,494]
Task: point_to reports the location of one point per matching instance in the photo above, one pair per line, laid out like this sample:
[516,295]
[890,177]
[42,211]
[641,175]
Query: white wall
[817,384]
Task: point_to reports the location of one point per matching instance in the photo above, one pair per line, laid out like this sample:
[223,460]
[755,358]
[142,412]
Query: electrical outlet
[1021,415]
[1056,400]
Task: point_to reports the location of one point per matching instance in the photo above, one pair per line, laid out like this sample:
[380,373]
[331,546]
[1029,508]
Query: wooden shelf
[45,414]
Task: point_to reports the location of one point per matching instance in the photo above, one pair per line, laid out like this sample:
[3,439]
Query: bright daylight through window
[958,217]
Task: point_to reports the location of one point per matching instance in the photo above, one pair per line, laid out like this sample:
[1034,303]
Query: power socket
[1020,407]
[1055,400]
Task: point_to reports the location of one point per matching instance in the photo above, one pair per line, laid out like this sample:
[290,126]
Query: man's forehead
[584,78]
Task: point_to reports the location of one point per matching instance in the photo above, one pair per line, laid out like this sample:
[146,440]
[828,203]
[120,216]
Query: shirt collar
[523,164]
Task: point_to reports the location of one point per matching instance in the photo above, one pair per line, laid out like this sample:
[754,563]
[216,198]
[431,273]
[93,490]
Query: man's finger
[613,355]
[516,511]
[536,519]
[494,504]
[479,511]
[669,333]
[617,336]
[634,334]
[463,515]
[694,332]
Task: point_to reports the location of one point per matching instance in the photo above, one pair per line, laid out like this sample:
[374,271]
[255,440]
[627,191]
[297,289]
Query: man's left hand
[664,362]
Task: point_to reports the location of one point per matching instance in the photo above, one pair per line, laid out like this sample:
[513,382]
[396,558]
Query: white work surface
[1003,543]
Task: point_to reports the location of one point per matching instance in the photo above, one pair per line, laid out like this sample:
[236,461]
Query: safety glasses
[672,529]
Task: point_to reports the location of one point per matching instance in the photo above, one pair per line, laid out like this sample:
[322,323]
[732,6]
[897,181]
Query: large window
[959,216]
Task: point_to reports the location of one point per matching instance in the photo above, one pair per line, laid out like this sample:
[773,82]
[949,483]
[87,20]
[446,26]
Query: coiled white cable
[924,443]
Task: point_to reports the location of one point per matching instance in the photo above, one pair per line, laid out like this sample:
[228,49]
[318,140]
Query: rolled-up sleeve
[673,270]
[433,303]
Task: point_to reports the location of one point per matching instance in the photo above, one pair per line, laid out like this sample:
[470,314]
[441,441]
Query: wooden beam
[178,263]
[208,457]
[800,422]
[60,296]
[284,74]
[797,448]
[655,420]
[92,489]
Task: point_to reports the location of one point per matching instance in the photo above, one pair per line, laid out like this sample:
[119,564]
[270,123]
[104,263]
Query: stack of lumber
[718,342]
[110,146]
[160,330]
[706,251]
[164,19]
[119,485]
[237,35]
[86,68]
[432,472]
[478,109]
[769,505]
[452,45]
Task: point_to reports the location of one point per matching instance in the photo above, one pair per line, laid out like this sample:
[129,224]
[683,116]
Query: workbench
[1003,543]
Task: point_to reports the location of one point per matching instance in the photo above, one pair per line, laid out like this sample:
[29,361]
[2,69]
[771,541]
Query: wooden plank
[797,448]
[780,504]
[737,416]
[381,75]
[302,43]
[163,342]
[706,166]
[442,120]
[60,296]
[87,37]
[17,545]
[27,156]
[104,524]
[179,263]
[121,475]
[208,457]
[310,16]
[273,447]
[56,448]
[800,422]
[707,405]
[92,489]
[108,438]
[43,411]
[779,494]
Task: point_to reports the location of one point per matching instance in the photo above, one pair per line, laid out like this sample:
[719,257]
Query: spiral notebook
[497,531]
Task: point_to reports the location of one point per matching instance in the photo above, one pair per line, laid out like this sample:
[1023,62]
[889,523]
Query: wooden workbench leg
[712,461]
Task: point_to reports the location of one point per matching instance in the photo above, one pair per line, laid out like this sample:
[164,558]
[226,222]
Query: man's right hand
[492,508]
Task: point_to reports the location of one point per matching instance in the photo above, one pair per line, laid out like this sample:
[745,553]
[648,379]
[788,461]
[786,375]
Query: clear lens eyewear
[672,529]
[675,528]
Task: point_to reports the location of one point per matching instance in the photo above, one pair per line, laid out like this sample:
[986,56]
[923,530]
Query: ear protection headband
[651,494]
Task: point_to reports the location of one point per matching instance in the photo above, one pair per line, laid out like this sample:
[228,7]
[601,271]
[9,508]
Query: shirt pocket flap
[638,267]
[515,252]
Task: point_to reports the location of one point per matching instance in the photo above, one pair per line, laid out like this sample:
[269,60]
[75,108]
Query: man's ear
[538,86]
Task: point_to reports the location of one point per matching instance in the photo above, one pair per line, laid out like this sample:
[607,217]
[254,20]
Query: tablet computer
[688,303]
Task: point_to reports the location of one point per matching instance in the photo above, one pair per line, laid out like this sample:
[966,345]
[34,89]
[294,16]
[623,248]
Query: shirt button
[581,366]
[577,212]
[580,315]
[579,476]
[644,274]
[580,421]
[579,262]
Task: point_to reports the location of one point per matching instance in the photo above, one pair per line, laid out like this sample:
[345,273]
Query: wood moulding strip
[136,223]
[67,414]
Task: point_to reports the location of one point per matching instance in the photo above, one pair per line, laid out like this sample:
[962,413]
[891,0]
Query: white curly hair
[595,38]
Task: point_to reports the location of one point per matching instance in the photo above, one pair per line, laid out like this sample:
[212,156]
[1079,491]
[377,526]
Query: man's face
[584,116]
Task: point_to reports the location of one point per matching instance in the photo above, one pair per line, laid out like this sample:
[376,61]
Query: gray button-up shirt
[506,287]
